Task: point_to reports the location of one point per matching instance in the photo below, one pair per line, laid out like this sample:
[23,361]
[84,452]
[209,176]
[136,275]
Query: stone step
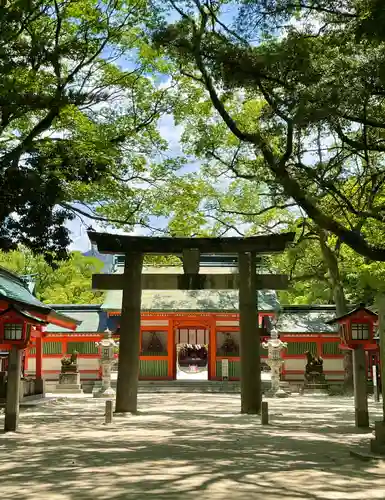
[68,386]
[166,386]
[68,391]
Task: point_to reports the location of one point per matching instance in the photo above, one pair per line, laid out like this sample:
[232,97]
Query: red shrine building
[23,321]
[187,333]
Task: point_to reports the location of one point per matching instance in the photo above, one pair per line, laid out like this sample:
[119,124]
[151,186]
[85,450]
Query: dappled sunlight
[181,446]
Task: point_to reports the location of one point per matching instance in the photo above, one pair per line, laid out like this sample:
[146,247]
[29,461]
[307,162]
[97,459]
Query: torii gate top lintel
[122,244]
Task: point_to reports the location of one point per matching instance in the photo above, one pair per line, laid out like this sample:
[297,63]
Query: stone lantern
[274,346]
[106,347]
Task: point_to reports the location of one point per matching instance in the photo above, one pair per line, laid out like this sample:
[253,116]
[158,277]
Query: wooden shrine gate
[132,282]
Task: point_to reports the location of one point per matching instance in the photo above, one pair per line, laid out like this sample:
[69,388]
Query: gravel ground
[183,446]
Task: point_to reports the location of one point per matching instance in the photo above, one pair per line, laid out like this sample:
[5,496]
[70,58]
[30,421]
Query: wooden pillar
[39,381]
[381,328]
[129,344]
[39,358]
[170,349]
[251,395]
[319,346]
[12,404]
[360,387]
[213,349]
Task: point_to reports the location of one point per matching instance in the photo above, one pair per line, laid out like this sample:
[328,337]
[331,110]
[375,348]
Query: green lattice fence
[153,368]
[331,349]
[299,348]
[82,347]
[54,347]
[234,369]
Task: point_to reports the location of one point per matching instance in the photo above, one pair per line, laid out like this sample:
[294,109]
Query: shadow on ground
[189,446]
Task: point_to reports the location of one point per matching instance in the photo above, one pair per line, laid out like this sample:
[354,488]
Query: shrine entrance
[192,353]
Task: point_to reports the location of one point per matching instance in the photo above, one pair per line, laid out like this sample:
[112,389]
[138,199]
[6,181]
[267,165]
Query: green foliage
[74,125]
[70,283]
[294,105]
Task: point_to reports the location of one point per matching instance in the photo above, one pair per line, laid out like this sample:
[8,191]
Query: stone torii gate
[132,282]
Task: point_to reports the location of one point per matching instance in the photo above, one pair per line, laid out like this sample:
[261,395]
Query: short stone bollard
[108,413]
[264,413]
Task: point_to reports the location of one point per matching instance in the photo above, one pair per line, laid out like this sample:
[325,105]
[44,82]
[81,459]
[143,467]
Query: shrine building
[23,319]
[185,334]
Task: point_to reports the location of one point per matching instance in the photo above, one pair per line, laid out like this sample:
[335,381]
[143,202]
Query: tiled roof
[306,321]
[92,318]
[14,289]
[191,300]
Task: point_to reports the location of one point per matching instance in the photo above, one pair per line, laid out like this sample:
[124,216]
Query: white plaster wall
[333,364]
[55,364]
[294,364]
[51,364]
[157,322]
[31,364]
[227,323]
[88,363]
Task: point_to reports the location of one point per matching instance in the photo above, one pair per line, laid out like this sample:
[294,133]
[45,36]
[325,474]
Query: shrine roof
[90,318]
[308,320]
[191,300]
[15,290]
[353,312]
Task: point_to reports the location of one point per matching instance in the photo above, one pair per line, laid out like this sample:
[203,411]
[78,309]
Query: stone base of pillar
[104,393]
[312,389]
[69,383]
[281,393]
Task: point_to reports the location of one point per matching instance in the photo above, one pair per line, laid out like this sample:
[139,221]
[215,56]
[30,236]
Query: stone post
[360,387]
[129,343]
[251,395]
[108,412]
[265,413]
[11,420]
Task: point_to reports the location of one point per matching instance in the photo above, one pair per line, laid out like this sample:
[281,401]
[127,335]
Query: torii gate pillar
[129,343]
[251,389]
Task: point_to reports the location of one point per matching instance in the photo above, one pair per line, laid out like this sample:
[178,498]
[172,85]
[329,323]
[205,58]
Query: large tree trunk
[129,342]
[331,262]
[251,395]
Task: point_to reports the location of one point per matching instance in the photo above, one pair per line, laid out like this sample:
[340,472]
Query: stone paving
[183,446]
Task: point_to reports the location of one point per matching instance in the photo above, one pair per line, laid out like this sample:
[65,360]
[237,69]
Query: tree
[70,283]
[75,127]
[313,86]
